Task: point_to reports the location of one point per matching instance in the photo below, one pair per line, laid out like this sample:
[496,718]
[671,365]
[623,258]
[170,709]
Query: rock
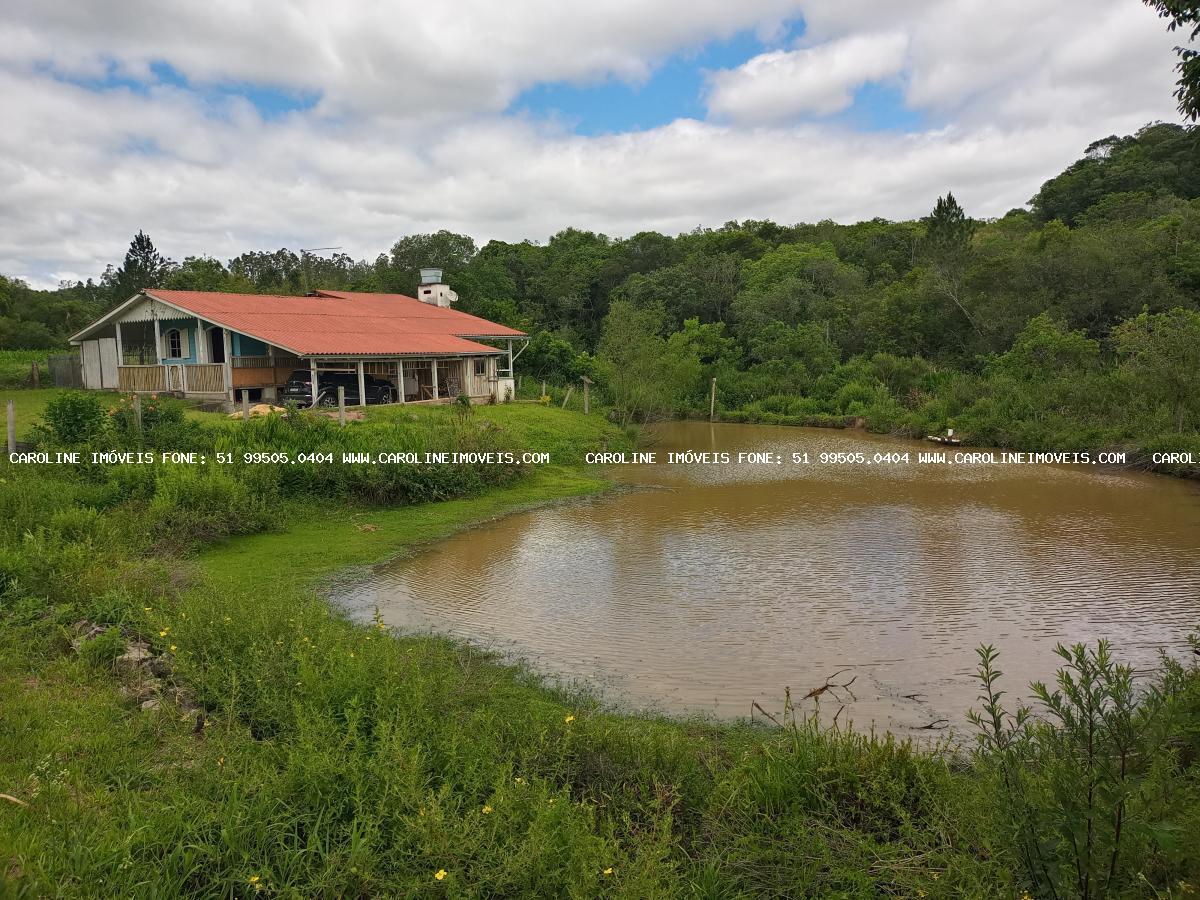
[160,666]
[150,704]
[136,655]
[141,690]
[87,631]
[183,700]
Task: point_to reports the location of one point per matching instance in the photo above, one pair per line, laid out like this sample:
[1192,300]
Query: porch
[417,380]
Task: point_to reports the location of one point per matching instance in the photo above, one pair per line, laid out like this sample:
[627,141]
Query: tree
[144,267]
[643,377]
[948,234]
[200,273]
[1184,14]
[1159,159]
[1046,348]
[1163,353]
[445,250]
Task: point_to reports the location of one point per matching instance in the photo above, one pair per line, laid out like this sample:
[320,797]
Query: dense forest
[1073,323]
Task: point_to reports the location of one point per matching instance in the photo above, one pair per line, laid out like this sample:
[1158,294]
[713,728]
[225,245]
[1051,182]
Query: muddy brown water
[722,584]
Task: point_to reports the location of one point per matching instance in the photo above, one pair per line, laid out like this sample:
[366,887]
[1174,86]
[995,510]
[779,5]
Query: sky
[223,126]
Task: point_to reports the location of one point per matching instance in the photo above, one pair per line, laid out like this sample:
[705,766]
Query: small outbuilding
[217,346]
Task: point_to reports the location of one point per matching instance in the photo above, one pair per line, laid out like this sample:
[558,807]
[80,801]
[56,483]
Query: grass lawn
[328,539]
[28,406]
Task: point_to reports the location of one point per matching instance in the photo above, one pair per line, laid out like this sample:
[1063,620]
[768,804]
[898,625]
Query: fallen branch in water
[832,686]
[936,724]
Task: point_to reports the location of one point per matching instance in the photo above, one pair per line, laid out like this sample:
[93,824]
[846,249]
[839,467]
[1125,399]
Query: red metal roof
[337,323]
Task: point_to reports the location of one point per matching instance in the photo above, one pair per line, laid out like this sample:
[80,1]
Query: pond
[717,585]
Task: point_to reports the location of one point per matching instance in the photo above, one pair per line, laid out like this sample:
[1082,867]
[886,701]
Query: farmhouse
[217,346]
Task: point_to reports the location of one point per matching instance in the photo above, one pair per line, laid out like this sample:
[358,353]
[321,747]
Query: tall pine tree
[144,267]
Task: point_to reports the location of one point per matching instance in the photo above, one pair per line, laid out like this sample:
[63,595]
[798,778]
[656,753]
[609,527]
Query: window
[174,344]
[481,366]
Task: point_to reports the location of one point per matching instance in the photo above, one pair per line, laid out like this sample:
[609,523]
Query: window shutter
[185,343]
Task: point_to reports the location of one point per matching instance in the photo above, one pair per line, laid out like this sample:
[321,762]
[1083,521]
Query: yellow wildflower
[569,719]
[935,875]
[220,760]
[520,780]
[486,809]
[439,874]
[148,609]
[254,879]
[608,871]
[173,648]
[163,633]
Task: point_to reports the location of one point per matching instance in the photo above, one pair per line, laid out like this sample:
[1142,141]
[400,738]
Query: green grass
[326,539]
[28,405]
[15,366]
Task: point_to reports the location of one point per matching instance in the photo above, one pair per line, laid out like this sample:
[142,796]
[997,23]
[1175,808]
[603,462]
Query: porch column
[312,367]
[120,346]
[400,379]
[228,361]
[435,384]
[157,345]
[202,348]
[362,385]
[510,360]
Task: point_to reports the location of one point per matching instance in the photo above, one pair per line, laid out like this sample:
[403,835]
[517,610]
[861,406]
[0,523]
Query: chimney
[433,290]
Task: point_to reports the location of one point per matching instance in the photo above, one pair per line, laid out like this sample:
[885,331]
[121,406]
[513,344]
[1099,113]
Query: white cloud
[411,132]
[778,86]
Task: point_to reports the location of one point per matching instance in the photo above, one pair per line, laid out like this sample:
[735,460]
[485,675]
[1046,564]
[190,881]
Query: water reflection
[727,583]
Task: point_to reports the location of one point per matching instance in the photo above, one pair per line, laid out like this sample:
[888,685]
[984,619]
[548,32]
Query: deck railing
[206,378]
[142,379]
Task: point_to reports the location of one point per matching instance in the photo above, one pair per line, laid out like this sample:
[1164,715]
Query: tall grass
[15,367]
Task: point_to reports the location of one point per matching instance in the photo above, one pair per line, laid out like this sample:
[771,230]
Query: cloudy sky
[221,125]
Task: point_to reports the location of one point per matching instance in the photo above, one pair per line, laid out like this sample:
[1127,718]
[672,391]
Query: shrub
[1086,788]
[192,505]
[75,417]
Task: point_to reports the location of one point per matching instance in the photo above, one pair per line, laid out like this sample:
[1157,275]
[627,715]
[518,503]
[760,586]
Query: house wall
[247,346]
[188,326]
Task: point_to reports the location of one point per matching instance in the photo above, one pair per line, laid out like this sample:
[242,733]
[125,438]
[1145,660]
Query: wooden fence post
[712,402]
[245,406]
[567,398]
[543,393]
[12,428]
[137,413]
[342,405]
[586,384]
[35,375]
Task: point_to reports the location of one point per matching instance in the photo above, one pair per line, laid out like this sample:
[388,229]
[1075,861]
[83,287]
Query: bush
[191,505]
[76,417]
[1093,797]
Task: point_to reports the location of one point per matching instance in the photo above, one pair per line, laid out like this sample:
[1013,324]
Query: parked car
[298,389]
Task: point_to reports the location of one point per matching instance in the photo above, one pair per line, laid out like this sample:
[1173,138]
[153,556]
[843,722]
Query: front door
[216,344]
